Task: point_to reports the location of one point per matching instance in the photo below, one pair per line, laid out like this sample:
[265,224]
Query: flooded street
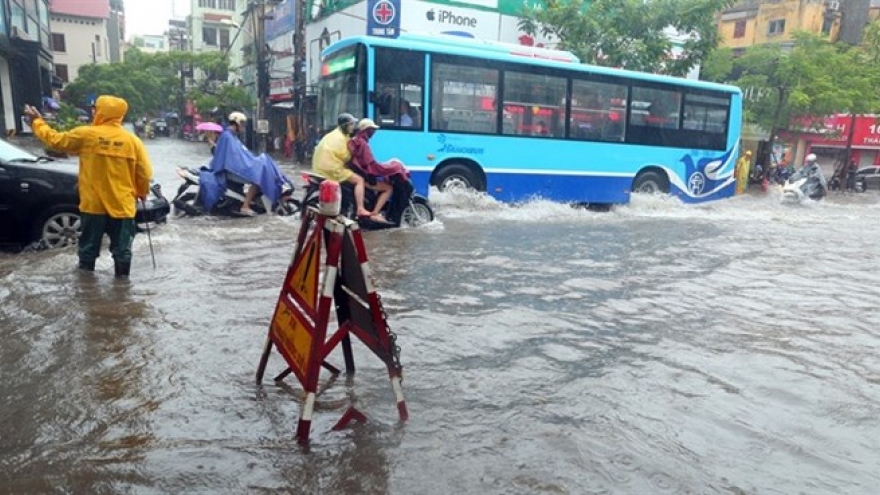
[730,348]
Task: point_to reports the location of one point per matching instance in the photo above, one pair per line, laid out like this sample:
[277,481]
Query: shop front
[829,141]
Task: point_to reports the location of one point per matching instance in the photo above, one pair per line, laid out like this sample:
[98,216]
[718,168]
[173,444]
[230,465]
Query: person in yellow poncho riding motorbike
[114,171]
[331,158]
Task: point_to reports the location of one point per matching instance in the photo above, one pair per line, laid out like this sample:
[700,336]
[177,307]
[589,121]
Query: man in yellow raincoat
[114,172]
[742,171]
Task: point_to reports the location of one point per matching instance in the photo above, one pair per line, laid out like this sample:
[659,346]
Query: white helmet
[811,158]
[238,118]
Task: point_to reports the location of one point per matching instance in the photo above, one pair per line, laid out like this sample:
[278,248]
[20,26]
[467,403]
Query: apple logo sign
[430,15]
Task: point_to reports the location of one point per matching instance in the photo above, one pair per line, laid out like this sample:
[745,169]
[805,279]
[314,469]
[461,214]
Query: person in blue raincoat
[231,155]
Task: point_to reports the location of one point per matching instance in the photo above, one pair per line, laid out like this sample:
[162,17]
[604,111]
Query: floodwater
[731,348]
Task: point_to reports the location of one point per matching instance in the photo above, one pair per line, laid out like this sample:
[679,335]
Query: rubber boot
[88,266]
[122,269]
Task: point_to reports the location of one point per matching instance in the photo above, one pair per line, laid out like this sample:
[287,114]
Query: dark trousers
[120,230]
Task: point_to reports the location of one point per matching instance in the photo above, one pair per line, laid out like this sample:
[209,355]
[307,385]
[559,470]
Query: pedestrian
[742,171]
[114,172]
[851,175]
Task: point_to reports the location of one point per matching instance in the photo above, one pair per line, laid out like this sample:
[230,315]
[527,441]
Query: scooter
[188,203]
[404,209]
[801,186]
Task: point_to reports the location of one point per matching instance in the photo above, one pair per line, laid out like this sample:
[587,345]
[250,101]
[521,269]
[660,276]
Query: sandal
[379,218]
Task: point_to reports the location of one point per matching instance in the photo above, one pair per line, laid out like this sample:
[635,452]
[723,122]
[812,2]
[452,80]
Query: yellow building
[756,22]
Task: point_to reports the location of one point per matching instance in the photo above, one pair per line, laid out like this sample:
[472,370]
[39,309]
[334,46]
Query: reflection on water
[658,348]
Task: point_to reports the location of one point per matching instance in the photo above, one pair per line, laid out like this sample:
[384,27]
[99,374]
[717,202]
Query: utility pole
[261,65]
[299,77]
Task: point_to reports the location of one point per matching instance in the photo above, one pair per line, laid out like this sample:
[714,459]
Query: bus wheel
[650,182]
[457,177]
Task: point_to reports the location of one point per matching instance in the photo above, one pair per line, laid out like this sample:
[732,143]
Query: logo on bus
[446,147]
[706,173]
[696,183]
[384,12]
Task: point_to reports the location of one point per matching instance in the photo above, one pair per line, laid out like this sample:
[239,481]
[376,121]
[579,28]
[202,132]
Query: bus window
[598,111]
[463,99]
[654,118]
[662,107]
[399,84]
[534,105]
[706,113]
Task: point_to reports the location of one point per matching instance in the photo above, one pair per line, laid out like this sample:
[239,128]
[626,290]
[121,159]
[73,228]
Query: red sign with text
[834,131]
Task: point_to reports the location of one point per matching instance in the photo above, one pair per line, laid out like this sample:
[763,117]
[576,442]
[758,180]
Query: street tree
[794,88]
[630,34]
[152,82]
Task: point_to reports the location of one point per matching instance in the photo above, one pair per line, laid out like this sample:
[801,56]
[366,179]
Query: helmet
[811,158]
[345,118]
[366,124]
[238,118]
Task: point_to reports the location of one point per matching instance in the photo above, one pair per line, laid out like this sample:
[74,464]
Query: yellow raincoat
[332,155]
[742,172]
[114,168]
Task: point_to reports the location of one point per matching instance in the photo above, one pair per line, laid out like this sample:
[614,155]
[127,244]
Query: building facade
[756,22]
[79,35]
[25,59]
[150,43]
[212,26]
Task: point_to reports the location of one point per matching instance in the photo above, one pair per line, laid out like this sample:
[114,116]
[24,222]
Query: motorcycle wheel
[183,206]
[418,213]
[287,207]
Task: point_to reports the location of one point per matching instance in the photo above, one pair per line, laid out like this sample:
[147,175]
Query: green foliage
[66,119]
[631,34]
[151,82]
[812,78]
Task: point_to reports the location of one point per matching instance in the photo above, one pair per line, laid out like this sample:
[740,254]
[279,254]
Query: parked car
[38,199]
[160,127]
[870,176]
[866,178]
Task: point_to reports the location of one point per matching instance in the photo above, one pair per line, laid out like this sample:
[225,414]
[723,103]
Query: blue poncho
[231,155]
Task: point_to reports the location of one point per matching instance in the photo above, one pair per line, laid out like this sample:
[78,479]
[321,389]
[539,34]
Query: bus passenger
[406,119]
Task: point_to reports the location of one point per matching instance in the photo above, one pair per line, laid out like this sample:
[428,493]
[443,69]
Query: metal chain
[392,337]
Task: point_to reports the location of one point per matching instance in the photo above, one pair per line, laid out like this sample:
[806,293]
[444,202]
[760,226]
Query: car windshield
[9,153]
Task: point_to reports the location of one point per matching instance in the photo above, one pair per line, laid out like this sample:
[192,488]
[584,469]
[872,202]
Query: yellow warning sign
[292,338]
[304,280]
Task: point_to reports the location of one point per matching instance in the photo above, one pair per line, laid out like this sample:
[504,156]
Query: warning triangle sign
[303,282]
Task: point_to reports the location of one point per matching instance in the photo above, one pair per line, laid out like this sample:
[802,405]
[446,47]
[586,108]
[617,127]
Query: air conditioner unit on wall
[18,33]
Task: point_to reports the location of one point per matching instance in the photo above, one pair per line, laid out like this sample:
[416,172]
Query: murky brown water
[732,348]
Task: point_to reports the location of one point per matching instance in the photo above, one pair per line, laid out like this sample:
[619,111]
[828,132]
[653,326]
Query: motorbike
[802,185]
[404,209]
[187,200]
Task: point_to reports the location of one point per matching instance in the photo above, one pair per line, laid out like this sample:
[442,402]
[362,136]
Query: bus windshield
[343,84]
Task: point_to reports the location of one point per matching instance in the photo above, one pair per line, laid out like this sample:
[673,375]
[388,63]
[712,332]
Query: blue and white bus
[521,122]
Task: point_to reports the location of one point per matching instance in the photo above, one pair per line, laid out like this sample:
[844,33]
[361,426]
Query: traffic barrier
[298,330]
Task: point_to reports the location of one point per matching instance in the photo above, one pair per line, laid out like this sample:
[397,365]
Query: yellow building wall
[799,15]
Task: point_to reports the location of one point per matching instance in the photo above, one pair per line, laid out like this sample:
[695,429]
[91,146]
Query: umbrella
[209,126]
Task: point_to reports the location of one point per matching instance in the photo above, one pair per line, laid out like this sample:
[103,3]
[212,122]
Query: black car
[38,200]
